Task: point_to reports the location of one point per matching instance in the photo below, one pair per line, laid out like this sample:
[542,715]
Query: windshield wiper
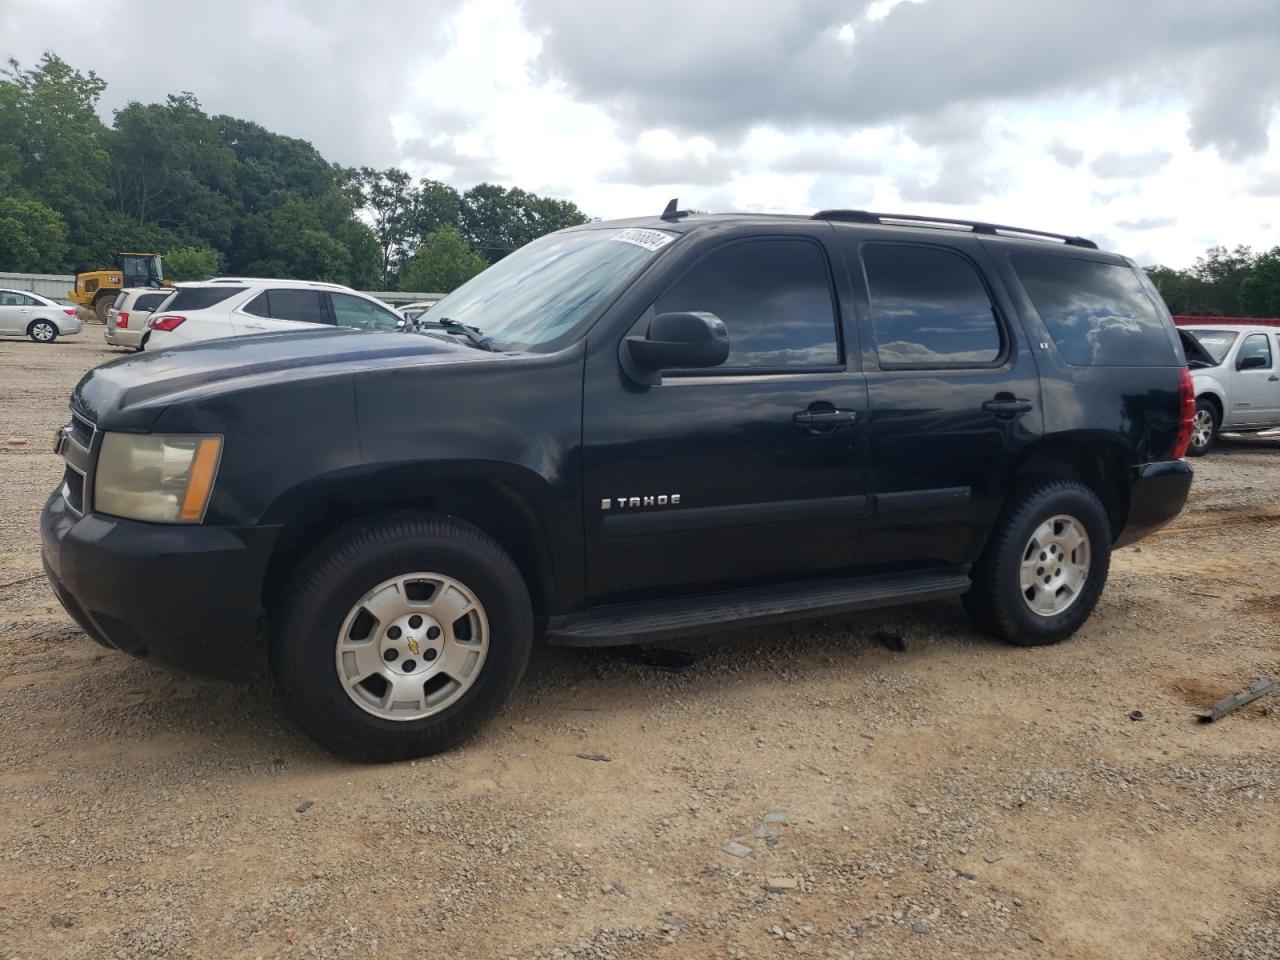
[473,334]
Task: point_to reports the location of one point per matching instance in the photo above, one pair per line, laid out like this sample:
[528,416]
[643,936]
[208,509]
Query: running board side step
[652,620]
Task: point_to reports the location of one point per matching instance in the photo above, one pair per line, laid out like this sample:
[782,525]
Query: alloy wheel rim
[1201,428]
[1055,566]
[412,646]
[42,331]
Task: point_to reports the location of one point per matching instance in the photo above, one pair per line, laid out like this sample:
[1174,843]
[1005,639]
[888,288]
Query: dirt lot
[961,798]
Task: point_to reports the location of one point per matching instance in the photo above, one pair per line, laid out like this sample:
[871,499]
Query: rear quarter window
[198,298]
[149,301]
[1097,313]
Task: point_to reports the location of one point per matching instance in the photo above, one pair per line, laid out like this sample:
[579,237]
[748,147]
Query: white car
[238,306]
[26,314]
[412,311]
[1236,375]
[128,315]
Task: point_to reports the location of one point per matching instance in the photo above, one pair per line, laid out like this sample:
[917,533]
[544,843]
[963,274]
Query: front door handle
[1273,378]
[1006,406]
[825,418]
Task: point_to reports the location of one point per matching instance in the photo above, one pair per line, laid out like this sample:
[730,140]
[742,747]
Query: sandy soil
[958,799]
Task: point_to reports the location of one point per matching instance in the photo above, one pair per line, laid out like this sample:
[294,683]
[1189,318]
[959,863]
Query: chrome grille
[77,450]
[80,431]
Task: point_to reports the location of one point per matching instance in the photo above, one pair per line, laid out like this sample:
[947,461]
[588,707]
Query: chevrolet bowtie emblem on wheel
[654,500]
[413,646]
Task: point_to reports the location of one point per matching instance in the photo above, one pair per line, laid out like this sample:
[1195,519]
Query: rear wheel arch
[1097,465]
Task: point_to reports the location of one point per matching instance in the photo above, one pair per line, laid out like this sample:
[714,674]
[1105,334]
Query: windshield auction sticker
[649,239]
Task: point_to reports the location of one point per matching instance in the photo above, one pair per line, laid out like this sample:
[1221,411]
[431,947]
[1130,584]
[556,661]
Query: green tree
[191,263]
[1260,290]
[442,264]
[387,198]
[497,220]
[33,237]
[432,205]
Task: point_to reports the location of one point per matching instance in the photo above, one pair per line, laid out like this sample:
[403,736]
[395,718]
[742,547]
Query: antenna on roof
[671,213]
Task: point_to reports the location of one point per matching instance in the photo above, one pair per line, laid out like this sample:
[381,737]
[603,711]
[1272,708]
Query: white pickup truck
[1235,370]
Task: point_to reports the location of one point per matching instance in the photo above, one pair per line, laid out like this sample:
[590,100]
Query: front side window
[774,297]
[1255,345]
[1216,343]
[1097,313]
[929,308]
[355,312]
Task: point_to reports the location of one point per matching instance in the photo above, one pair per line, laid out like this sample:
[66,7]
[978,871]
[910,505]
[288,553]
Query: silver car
[128,315]
[26,314]
[1235,369]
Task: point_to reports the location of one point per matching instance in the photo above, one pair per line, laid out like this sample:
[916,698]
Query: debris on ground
[304,806]
[1259,688]
[598,757]
[735,849]
[780,884]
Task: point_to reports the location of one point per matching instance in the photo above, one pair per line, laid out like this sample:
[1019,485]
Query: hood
[148,381]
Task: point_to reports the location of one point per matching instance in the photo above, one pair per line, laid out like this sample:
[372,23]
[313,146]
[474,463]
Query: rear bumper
[182,596]
[68,325]
[122,336]
[1157,494]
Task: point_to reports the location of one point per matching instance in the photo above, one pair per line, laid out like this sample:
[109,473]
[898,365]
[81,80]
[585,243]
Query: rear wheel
[101,306]
[1204,428]
[1044,569]
[42,331]
[400,636]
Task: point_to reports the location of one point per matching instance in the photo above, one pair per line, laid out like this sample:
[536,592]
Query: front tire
[42,331]
[1204,428]
[400,635]
[1044,568]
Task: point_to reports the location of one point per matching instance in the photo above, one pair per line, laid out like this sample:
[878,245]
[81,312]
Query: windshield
[1215,342]
[157,268]
[547,288]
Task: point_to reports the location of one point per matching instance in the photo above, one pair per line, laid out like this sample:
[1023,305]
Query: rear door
[953,391]
[1255,392]
[281,309]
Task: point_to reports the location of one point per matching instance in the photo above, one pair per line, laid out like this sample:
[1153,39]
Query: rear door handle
[254,326]
[1007,406]
[825,418]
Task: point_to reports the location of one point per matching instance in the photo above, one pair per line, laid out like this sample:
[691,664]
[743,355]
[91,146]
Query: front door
[1255,392]
[954,398]
[15,311]
[751,471]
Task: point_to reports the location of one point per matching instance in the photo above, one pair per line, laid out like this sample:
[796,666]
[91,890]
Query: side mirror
[1251,363]
[680,341]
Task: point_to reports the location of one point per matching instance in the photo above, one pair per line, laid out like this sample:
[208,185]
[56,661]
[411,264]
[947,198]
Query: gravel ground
[798,789]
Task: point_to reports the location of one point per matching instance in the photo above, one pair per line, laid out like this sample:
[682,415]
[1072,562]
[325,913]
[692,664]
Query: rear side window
[1097,313]
[199,298]
[929,308]
[303,306]
[774,297]
[120,300]
[1255,345]
[149,301]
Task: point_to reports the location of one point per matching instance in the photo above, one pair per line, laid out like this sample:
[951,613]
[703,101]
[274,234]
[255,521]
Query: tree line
[217,194]
[1223,283]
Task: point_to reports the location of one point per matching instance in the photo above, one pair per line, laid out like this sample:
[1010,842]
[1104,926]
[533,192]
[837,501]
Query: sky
[1152,126]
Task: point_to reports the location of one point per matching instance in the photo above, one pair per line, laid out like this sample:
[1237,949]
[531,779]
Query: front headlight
[164,478]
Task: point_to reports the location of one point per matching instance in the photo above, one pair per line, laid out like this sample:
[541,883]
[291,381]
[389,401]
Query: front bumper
[1157,494]
[183,596]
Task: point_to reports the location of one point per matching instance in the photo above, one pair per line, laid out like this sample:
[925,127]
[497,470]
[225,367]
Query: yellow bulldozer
[96,290]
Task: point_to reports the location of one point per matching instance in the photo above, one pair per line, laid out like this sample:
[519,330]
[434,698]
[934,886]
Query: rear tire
[369,649]
[42,331]
[1044,568]
[101,306]
[1204,428]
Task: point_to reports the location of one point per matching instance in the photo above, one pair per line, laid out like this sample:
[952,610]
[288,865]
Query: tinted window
[301,305]
[1255,345]
[198,298]
[259,306]
[149,301]
[929,307]
[359,313]
[1097,313]
[774,297]
[1215,342]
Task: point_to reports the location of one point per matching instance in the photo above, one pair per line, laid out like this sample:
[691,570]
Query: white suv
[1236,375]
[237,306]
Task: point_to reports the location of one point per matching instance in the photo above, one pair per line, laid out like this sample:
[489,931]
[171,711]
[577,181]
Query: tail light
[166,323]
[1186,413]
[122,320]
[70,311]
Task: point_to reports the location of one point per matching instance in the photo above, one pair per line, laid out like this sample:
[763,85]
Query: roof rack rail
[976,226]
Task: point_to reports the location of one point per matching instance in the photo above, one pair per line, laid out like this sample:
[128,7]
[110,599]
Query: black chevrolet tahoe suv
[623,432]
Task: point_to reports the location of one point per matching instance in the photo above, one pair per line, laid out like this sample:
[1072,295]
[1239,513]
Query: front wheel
[1045,566]
[400,636]
[1204,428]
[42,331]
